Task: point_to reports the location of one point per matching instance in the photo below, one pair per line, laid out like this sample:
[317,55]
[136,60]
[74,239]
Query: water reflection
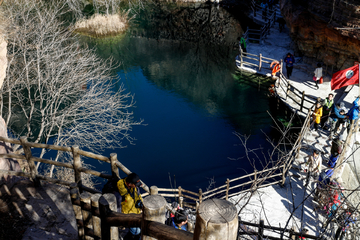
[192,100]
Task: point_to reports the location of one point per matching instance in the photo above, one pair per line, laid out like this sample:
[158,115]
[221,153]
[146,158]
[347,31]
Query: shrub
[103,25]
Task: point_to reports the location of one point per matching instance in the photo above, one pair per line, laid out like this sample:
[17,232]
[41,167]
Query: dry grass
[103,25]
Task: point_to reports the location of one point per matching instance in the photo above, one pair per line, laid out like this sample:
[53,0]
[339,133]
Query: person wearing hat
[130,199]
[336,149]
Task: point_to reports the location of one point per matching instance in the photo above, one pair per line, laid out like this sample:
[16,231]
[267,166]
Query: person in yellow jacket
[317,115]
[130,200]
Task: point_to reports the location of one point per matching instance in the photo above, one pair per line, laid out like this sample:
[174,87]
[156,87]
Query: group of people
[129,201]
[327,113]
[330,116]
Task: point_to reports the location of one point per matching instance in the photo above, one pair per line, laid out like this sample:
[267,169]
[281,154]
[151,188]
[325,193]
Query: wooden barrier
[283,87]
[95,215]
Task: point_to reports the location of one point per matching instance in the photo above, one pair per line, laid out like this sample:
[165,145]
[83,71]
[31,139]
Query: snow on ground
[281,207]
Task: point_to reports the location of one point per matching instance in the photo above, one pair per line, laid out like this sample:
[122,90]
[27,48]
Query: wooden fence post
[114,168]
[154,210]
[200,195]
[283,175]
[302,101]
[96,215]
[75,200]
[154,190]
[180,197]
[287,89]
[227,188]
[77,166]
[260,61]
[261,230]
[85,201]
[28,155]
[216,219]
[107,203]
[241,57]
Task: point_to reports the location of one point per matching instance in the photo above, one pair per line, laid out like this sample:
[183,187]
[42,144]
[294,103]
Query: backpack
[111,185]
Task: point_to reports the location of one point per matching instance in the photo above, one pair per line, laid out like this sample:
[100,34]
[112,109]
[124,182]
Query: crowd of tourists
[334,119]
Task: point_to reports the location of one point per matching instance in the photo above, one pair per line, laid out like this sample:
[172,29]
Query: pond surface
[192,102]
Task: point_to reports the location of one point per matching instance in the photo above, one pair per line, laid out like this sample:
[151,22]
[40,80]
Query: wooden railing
[283,86]
[282,233]
[76,165]
[270,20]
[294,152]
[287,90]
[258,59]
[249,182]
[97,218]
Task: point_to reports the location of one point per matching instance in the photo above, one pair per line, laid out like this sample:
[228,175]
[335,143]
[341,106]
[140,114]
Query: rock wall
[200,23]
[324,30]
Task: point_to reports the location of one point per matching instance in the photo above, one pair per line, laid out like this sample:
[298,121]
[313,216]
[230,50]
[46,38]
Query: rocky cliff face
[203,23]
[325,30]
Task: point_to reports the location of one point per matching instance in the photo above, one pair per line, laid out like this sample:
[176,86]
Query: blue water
[192,102]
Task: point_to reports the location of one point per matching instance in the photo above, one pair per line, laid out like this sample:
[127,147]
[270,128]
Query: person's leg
[288,72]
[337,125]
[291,69]
[316,125]
[324,121]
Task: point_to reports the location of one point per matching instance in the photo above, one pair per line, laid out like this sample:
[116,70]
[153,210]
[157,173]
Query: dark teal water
[192,102]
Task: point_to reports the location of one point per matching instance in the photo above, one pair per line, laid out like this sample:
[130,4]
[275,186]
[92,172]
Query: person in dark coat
[289,61]
[336,149]
[327,108]
[338,117]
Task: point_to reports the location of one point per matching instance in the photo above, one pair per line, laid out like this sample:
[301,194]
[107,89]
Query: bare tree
[57,90]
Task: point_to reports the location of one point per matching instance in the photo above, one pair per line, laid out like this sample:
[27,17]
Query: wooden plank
[251,58]
[168,190]
[190,192]
[93,155]
[263,171]
[15,173]
[215,189]
[250,64]
[48,146]
[215,193]
[13,155]
[95,173]
[10,140]
[189,197]
[51,162]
